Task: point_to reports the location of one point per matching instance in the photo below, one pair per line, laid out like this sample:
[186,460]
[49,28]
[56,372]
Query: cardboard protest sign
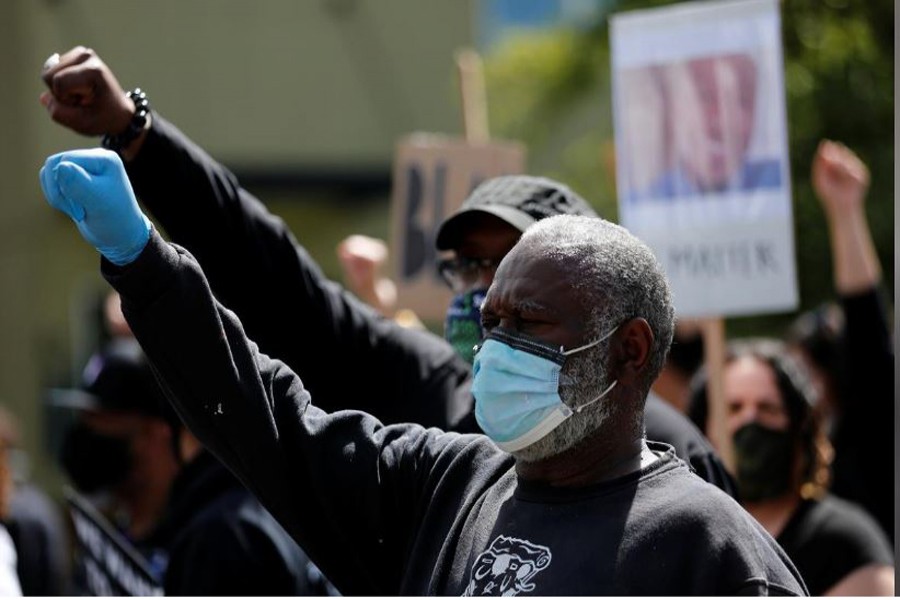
[432,177]
[112,566]
[702,157]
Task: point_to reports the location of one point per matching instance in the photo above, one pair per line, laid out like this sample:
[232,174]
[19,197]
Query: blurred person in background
[118,450]
[33,520]
[363,259]
[200,530]
[286,304]
[9,578]
[782,457]
[847,345]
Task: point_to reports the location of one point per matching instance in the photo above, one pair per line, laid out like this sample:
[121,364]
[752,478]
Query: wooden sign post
[714,357]
[473,96]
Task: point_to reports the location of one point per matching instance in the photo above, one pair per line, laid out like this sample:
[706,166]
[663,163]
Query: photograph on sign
[701,144]
[703,112]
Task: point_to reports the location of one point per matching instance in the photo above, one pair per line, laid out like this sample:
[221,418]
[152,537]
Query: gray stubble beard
[588,378]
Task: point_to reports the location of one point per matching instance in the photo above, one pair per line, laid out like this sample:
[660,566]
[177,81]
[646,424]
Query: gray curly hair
[616,277]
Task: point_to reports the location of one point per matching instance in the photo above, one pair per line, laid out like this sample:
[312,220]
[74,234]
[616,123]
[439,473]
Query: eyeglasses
[462,273]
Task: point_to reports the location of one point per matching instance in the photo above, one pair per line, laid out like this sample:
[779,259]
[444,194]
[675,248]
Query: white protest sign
[702,158]
[432,176]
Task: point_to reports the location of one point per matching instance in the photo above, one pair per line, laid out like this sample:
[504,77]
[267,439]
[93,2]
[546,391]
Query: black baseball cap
[116,378]
[520,200]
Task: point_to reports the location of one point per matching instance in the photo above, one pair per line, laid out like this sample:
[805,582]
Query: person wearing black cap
[119,450]
[782,457]
[201,531]
[483,230]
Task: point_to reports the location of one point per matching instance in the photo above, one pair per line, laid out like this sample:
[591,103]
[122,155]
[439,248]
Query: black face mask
[94,461]
[764,460]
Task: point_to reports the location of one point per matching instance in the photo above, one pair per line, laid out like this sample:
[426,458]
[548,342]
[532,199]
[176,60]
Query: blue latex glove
[91,186]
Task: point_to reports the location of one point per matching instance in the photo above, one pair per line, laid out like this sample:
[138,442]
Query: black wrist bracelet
[138,121]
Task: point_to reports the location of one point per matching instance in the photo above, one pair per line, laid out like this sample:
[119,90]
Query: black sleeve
[229,559]
[341,480]
[257,268]
[864,432]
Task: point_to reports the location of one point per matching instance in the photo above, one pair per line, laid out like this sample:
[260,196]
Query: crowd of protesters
[257,429]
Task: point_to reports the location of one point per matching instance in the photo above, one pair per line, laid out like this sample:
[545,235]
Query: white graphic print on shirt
[507,567]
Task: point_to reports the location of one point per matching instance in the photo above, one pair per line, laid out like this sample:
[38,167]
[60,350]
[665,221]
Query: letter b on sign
[432,177]
[423,214]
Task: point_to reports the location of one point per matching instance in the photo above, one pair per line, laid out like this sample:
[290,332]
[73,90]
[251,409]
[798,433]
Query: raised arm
[864,426]
[347,488]
[256,267]
[841,181]
[324,477]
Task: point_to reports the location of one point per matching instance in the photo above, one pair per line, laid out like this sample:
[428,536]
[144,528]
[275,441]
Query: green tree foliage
[551,89]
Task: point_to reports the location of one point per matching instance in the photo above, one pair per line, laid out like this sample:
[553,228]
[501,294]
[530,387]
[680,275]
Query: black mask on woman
[764,459]
[94,461]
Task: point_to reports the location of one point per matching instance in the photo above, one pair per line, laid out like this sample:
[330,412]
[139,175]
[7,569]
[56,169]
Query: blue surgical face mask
[463,325]
[516,389]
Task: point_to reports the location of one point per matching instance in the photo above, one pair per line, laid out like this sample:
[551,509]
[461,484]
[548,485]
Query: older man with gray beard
[579,321]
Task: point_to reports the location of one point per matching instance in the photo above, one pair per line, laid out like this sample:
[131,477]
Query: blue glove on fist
[91,186]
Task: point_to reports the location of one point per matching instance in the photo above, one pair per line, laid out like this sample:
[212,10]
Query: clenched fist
[92,188]
[84,94]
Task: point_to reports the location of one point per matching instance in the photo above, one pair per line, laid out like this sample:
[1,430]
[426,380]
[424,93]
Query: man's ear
[633,343]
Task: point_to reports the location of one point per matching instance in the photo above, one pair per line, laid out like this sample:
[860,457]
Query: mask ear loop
[602,395]
[585,347]
[588,345]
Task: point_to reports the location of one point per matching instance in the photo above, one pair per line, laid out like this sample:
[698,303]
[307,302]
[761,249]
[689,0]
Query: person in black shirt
[847,345]
[221,542]
[578,321]
[201,531]
[118,448]
[258,270]
[782,456]
[34,521]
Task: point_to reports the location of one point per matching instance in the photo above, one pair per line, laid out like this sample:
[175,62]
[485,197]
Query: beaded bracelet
[118,142]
